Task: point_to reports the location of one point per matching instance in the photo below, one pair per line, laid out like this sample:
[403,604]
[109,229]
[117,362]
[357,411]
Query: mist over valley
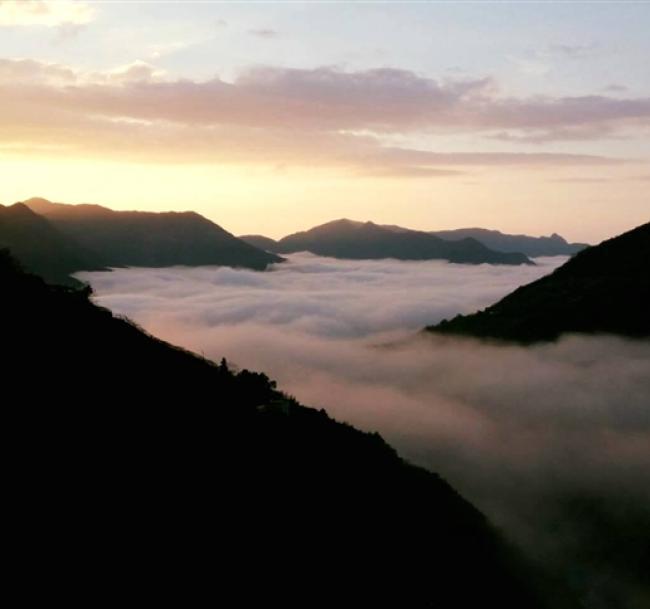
[523,432]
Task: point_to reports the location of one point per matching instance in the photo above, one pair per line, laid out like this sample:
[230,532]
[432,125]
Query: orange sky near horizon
[277,202]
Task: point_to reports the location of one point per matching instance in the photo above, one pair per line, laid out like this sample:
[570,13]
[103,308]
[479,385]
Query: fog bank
[518,430]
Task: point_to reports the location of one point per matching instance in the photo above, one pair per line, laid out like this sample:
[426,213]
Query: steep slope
[605,288]
[138,468]
[151,239]
[41,247]
[555,245]
[366,240]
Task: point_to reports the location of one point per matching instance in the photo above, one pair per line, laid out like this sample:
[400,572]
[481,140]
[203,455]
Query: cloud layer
[319,297]
[522,432]
[339,335]
[323,116]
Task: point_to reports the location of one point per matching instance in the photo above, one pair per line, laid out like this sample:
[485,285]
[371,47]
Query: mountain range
[141,469]
[555,245]
[136,238]
[602,289]
[366,240]
[56,240]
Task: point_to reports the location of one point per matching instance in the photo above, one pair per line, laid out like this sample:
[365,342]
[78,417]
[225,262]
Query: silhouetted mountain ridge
[350,239]
[42,248]
[136,238]
[555,245]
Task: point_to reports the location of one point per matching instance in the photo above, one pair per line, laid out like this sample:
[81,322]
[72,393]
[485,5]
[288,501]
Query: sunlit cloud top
[270,114]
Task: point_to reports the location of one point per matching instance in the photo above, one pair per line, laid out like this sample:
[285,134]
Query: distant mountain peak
[146,238]
[350,239]
[36,201]
[555,245]
[18,208]
[341,222]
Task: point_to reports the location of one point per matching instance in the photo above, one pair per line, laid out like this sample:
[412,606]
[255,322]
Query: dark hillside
[139,470]
[602,289]
[42,248]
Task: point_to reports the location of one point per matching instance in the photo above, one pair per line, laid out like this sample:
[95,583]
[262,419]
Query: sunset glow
[251,118]
[327,303]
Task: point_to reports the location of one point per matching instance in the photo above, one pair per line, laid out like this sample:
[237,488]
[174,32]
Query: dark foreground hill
[366,240]
[133,238]
[41,247]
[555,245]
[139,470]
[603,289]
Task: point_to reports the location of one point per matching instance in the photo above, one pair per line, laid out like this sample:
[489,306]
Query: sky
[271,117]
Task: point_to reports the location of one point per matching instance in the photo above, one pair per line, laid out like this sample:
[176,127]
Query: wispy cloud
[264,33]
[156,51]
[49,13]
[137,71]
[581,180]
[572,51]
[409,171]
[542,61]
[616,88]
[599,180]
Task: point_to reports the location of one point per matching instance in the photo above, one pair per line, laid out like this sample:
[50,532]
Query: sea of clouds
[513,428]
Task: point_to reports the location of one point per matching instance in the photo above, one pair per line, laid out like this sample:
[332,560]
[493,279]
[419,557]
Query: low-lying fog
[513,428]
